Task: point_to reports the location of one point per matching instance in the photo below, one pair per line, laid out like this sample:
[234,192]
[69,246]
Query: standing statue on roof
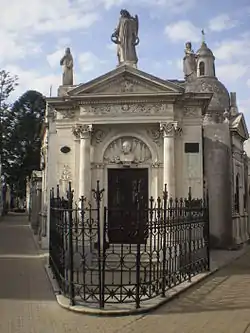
[189,62]
[126,38]
[67,63]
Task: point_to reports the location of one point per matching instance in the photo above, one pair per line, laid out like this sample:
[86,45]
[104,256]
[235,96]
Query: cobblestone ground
[27,303]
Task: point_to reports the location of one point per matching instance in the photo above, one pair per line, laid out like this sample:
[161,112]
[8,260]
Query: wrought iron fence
[165,244]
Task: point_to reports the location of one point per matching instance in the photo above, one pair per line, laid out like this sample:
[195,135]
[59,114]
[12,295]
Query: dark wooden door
[127,205]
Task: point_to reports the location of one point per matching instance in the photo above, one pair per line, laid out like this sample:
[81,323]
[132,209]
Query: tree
[7,86]
[25,143]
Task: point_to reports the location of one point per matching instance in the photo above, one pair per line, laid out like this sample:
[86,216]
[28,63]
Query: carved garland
[126,108]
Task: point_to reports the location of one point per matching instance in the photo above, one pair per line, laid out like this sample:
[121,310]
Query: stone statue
[189,62]
[127,156]
[126,38]
[67,63]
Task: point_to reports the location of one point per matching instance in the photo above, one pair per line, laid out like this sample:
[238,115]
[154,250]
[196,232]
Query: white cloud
[89,62]
[54,58]
[112,47]
[22,23]
[46,15]
[12,48]
[222,22]
[174,6]
[244,106]
[234,48]
[63,42]
[248,83]
[231,72]
[33,80]
[182,31]
[179,64]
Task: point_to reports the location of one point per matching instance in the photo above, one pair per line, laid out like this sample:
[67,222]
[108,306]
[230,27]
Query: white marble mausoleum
[128,125]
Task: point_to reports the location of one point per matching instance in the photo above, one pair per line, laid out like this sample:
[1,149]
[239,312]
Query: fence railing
[101,255]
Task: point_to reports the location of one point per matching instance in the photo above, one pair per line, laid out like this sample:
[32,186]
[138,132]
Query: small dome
[220,100]
[204,51]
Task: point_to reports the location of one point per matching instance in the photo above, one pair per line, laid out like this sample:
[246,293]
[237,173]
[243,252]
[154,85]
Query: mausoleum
[130,129]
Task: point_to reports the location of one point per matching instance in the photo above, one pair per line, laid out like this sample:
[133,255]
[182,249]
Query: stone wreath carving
[155,135]
[99,135]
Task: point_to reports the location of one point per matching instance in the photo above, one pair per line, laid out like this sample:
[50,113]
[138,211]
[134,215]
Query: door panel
[127,205]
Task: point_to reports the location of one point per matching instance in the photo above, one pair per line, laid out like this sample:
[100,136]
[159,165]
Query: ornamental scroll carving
[170,128]
[81,131]
[127,150]
[66,173]
[123,109]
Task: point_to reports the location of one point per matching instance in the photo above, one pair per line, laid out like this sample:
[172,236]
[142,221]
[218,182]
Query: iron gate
[89,268]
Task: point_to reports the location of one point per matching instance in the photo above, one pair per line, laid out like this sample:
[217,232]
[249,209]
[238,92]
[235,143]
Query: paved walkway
[27,303]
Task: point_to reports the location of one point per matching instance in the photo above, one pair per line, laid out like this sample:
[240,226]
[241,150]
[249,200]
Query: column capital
[82,131]
[168,129]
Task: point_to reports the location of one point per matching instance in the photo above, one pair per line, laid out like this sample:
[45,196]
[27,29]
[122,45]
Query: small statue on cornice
[226,116]
[189,62]
[67,63]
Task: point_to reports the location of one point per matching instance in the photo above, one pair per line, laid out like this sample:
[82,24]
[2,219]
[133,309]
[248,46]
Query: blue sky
[34,34]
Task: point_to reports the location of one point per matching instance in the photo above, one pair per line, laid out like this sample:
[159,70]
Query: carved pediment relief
[126,151]
[126,81]
[127,85]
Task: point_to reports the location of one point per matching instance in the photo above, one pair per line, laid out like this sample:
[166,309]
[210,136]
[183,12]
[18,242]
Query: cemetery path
[28,305]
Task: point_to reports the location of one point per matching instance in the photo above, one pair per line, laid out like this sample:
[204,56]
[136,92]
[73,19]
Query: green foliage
[7,86]
[20,128]
[25,142]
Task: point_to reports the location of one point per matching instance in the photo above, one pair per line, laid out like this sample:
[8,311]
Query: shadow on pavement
[228,289]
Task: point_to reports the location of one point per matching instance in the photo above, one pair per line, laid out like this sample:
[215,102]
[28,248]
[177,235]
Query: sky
[35,33]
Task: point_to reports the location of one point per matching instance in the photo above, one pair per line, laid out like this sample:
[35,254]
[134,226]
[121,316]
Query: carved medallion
[127,150]
[98,135]
[155,135]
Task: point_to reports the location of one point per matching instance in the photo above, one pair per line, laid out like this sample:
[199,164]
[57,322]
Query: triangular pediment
[126,80]
[238,124]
